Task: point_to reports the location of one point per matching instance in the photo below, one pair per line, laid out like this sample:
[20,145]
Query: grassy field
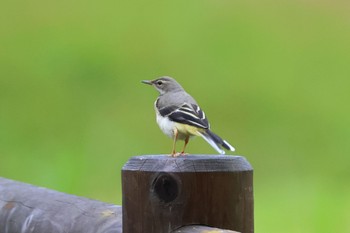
[273,78]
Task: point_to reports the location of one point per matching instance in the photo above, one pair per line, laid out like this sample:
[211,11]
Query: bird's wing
[189,114]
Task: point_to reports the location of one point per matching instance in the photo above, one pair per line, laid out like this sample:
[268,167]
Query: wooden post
[162,194]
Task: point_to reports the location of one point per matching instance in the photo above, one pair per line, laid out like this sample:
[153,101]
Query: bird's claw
[178,154]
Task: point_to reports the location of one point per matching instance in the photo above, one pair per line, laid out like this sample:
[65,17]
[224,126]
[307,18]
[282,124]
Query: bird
[180,117]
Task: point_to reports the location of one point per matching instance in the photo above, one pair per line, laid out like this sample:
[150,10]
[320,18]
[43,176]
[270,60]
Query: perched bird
[180,117]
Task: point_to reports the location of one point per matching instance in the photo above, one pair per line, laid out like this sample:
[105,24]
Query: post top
[188,163]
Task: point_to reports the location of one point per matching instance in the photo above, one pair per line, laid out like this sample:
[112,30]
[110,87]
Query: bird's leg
[186,141]
[173,153]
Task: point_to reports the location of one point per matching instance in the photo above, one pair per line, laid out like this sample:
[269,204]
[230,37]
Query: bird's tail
[216,142]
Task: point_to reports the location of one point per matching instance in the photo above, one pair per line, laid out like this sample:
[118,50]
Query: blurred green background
[272,76]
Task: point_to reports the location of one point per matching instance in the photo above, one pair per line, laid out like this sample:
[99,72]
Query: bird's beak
[147,82]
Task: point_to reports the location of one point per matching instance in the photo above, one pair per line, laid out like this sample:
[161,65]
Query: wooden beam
[30,209]
[162,194]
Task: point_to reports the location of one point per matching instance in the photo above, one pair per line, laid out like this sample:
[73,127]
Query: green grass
[272,76]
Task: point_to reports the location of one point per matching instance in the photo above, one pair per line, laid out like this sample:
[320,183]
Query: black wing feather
[186,114]
[167,110]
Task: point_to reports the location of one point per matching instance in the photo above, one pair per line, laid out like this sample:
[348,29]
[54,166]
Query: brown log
[162,194]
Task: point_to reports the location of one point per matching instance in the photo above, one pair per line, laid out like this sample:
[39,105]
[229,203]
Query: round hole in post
[165,187]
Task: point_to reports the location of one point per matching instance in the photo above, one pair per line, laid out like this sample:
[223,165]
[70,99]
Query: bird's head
[164,84]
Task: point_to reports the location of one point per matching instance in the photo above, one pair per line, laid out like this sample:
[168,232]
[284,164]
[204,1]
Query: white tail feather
[213,144]
[228,145]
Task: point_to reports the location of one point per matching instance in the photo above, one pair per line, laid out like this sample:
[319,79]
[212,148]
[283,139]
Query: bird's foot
[176,154]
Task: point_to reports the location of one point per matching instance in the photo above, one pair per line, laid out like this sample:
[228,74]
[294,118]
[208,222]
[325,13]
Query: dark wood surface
[30,209]
[162,194]
[201,229]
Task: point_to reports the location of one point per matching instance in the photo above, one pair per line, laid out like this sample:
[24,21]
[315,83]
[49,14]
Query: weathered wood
[201,229]
[30,209]
[162,194]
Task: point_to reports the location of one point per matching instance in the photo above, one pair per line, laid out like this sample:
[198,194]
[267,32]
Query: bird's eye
[159,83]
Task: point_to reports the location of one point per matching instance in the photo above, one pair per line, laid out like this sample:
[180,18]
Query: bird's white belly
[166,125]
